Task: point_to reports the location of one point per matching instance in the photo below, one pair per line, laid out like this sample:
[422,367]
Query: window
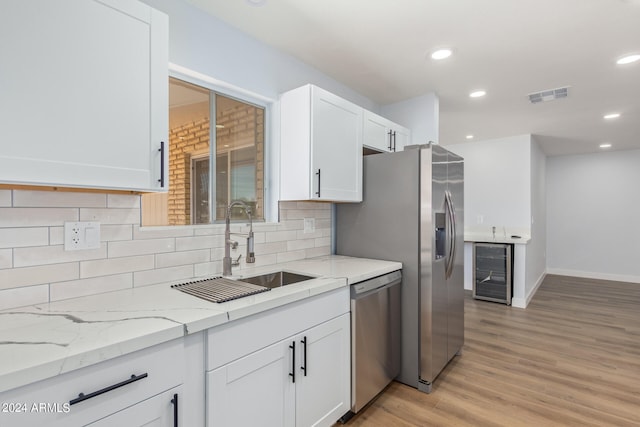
[218,160]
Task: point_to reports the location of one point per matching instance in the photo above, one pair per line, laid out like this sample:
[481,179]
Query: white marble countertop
[497,234]
[42,341]
[499,238]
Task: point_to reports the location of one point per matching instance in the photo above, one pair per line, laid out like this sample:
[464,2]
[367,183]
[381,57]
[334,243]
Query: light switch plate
[81,235]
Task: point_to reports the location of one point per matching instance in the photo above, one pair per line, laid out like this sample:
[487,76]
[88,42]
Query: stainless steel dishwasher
[375,337]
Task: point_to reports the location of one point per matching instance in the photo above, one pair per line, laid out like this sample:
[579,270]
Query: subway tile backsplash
[34,268]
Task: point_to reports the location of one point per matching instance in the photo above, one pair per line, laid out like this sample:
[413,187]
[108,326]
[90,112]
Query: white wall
[505,187]
[535,258]
[420,114]
[593,215]
[237,64]
[208,45]
[497,183]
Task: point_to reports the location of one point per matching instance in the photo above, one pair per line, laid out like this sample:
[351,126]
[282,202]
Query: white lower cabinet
[138,387]
[162,410]
[299,381]
[303,379]
[254,391]
[323,390]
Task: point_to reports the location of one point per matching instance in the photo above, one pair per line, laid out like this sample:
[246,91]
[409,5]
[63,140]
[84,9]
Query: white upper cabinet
[84,87]
[401,137]
[321,146]
[381,134]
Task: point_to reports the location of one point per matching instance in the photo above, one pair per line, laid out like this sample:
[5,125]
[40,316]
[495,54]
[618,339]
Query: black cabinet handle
[390,146]
[318,192]
[304,348]
[394,140]
[292,374]
[175,409]
[161,150]
[82,397]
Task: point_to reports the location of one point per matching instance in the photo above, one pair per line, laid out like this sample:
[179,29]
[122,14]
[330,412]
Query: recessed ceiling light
[477,93]
[469,136]
[605,145]
[441,54]
[612,116]
[628,59]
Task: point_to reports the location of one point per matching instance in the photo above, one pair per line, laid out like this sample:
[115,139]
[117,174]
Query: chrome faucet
[227,262]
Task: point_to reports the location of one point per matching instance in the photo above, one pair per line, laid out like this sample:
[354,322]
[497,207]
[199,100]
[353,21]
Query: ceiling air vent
[548,95]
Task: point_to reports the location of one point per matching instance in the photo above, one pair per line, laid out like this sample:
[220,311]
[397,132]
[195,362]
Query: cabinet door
[336,154]
[402,138]
[376,132]
[323,391]
[84,93]
[162,410]
[255,390]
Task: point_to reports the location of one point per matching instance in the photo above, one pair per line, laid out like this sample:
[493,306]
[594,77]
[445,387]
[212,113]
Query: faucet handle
[251,256]
[236,262]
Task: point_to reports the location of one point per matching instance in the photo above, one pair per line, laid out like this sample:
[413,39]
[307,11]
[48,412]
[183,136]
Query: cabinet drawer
[233,340]
[48,402]
[160,410]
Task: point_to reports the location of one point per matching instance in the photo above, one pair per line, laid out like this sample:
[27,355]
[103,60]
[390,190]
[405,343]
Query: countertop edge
[61,366]
[358,269]
[479,238]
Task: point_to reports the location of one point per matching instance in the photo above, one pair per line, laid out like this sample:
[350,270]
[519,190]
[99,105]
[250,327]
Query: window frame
[193,160]
[218,87]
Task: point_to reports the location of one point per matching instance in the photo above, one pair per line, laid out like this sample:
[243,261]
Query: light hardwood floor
[571,358]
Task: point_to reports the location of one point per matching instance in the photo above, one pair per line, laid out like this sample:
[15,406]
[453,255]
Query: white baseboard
[523,302]
[519,302]
[593,275]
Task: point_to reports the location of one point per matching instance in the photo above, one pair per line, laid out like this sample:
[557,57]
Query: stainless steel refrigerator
[412,212]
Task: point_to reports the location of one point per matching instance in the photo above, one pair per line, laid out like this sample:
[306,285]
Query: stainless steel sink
[276,279]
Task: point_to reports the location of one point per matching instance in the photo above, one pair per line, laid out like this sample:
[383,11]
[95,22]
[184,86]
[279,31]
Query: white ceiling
[509,48]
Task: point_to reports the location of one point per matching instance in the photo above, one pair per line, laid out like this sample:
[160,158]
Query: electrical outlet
[309,225]
[81,235]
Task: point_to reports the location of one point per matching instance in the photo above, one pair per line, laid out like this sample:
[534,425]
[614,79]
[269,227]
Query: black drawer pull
[82,397]
[292,374]
[304,346]
[174,401]
[318,192]
[161,150]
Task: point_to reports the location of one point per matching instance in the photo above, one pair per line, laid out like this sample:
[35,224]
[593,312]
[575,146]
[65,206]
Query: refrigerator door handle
[451,214]
[447,258]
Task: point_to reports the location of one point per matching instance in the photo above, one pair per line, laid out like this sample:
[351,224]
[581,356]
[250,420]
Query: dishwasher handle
[363,289]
